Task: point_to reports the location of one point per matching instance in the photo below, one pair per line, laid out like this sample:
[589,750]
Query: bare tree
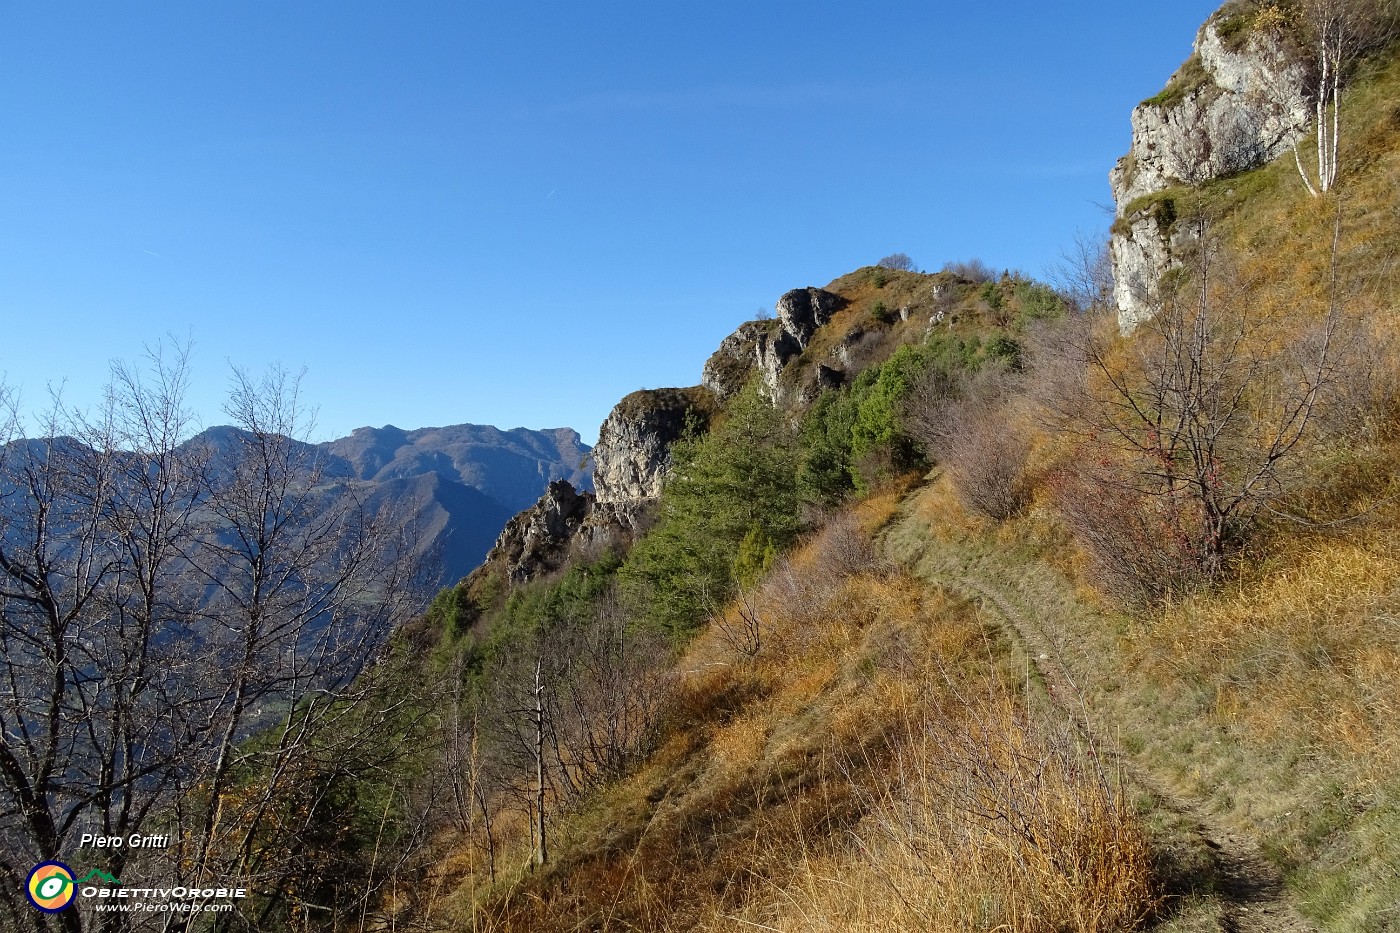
[1336,34]
[1193,426]
[161,601]
[897,262]
[1084,274]
[300,585]
[976,440]
[569,701]
[974,270]
[610,700]
[93,519]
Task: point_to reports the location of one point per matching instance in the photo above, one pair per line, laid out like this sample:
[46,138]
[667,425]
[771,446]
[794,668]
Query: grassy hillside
[877,733]
[987,733]
[1026,625]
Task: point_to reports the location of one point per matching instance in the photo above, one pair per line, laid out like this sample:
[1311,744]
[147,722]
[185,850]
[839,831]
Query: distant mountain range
[454,487]
[459,484]
[512,467]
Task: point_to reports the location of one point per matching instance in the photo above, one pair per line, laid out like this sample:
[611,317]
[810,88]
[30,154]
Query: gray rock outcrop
[633,452]
[731,365]
[630,461]
[769,346]
[800,312]
[1236,104]
[536,541]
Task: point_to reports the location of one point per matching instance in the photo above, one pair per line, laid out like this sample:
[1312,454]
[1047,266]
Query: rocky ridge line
[633,453]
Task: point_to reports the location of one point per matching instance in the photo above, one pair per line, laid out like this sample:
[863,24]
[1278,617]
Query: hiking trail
[1250,890]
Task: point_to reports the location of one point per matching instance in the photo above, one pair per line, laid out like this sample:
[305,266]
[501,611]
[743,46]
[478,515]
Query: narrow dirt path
[1250,890]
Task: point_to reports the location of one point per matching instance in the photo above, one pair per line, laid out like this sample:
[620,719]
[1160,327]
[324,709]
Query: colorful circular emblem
[50,887]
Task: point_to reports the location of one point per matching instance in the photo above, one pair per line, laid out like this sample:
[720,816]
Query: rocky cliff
[818,339]
[1239,101]
[769,346]
[731,365]
[630,461]
[537,541]
[633,451]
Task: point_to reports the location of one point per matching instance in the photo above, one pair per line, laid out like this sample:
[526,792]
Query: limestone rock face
[1233,106]
[730,366]
[633,452]
[1248,106]
[802,310]
[774,352]
[769,346]
[1141,254]
[630,460]
[536,541]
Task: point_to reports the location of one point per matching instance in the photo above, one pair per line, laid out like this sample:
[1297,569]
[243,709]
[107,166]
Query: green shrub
[453,611]
[856,436]
[991,294]
[825,475]
[1190,77]
[738,482]
[1037,302]
[880,447]
[1003,347]
[535,608]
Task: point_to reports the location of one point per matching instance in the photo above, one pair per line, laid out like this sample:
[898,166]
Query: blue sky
[517,213]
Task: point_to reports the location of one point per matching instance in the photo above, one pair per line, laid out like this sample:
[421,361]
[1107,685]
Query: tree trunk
[541,846]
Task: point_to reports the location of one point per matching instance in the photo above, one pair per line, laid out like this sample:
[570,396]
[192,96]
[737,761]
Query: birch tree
[1336,33]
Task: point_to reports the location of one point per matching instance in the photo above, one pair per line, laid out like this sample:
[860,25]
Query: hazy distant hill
[456,486]
[512,467]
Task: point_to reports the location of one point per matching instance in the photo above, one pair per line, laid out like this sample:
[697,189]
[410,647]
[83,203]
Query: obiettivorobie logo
[99,875]
[51,887]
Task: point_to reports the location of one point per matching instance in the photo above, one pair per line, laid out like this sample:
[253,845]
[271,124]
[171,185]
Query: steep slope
[819,339]
[1246,99]
[897,680]
[452,524]
[1065,640]
[1248,716]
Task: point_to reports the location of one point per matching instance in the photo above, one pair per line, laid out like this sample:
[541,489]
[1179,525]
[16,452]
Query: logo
[100,876]
[50,887]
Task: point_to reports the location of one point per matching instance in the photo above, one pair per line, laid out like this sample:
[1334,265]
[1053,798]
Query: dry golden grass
[1309,654]
[1274,698]
[980,820]
[939,508]
[866,768]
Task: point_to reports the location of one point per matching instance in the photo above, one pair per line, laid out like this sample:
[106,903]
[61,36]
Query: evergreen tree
[737,482]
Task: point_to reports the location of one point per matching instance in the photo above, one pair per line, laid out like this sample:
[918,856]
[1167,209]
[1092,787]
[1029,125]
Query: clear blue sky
[517,213]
